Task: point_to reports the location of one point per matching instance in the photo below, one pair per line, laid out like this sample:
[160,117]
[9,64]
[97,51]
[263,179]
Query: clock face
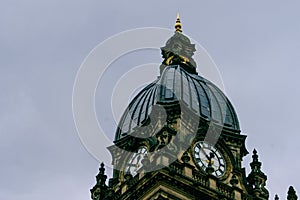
[205,154]
[135,161]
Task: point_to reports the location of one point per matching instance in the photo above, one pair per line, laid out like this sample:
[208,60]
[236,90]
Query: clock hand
[211,156]
[201,149]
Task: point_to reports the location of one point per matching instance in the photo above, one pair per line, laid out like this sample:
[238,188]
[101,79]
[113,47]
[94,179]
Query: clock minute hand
[204,153]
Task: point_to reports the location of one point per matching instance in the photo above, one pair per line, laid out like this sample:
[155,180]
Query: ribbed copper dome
[201,96]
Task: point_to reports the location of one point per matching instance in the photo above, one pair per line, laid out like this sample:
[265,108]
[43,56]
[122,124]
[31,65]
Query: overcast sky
[255,45]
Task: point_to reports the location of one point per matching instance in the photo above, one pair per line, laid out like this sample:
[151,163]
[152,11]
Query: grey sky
[255,44]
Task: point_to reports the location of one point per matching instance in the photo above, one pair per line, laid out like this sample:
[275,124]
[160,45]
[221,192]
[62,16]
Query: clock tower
[180,139]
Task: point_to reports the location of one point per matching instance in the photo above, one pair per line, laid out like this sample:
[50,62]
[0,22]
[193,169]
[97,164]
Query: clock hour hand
[209,158]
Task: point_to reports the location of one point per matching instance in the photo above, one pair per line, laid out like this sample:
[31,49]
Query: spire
[99,191]
[257,179]
[255,165]
[178,25]
[101,177]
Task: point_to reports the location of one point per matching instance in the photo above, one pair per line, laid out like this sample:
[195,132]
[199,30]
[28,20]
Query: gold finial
[178,24]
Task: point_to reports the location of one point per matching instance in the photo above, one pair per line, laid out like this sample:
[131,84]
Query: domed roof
[179,82]
[201,96]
